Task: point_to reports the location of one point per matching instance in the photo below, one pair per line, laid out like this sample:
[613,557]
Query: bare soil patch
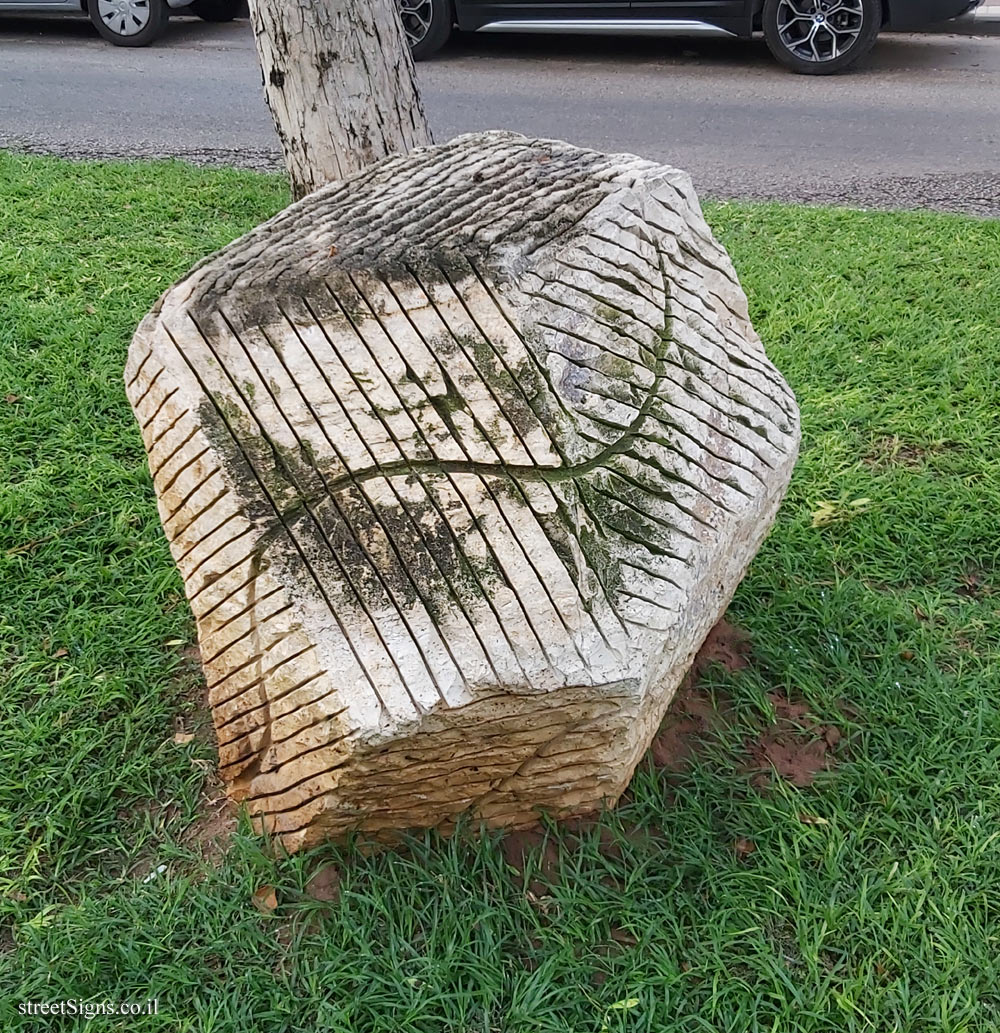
[893,451]
[796,747]
[974,584]
[693,714]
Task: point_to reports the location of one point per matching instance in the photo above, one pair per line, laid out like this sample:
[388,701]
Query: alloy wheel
[416,16]
[819,30]
[124,17]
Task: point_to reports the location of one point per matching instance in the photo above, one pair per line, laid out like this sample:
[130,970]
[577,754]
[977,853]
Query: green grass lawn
[880,912]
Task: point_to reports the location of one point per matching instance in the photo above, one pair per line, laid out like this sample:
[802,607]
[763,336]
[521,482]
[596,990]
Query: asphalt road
[917,126]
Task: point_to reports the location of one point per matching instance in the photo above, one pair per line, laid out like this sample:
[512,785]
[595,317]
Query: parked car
[130,23]
[814,37]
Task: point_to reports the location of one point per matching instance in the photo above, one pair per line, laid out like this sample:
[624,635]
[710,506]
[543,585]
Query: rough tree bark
[338,78]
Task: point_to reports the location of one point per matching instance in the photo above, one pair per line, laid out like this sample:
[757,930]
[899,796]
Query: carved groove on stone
[460,459]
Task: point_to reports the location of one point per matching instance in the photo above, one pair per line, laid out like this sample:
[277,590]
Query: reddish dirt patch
[324,886]
[692,714]
[893,451]
[974,584]
[208,835]
[796,747]
[685,728]
[211,832]
[520,849]
[727,645]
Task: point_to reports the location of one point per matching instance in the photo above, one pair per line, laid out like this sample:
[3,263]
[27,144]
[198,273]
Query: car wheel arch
[758,8]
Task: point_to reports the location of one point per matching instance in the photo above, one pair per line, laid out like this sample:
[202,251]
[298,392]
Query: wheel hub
[124,17]
[819,30]
[416,17]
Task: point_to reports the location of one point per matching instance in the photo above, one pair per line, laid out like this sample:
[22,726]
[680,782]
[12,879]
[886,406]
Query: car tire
[820,37]
[217,10]
[427,25]
[129,23]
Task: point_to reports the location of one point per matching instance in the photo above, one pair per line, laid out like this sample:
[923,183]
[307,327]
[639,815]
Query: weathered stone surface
[460,459]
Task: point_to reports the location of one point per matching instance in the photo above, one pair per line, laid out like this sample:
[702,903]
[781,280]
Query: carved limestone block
[460,459]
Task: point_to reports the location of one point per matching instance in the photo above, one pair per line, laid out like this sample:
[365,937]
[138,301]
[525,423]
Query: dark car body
[659,17]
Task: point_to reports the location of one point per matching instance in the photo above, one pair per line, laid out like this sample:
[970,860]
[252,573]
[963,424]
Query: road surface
[917,126]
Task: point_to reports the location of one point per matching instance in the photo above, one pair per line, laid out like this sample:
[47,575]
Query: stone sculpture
[460,459]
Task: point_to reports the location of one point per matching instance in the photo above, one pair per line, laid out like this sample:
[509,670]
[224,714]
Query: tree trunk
[338,78]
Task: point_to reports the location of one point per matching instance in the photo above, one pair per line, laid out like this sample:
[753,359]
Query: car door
[546,16]
[38,5]
[697,17]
